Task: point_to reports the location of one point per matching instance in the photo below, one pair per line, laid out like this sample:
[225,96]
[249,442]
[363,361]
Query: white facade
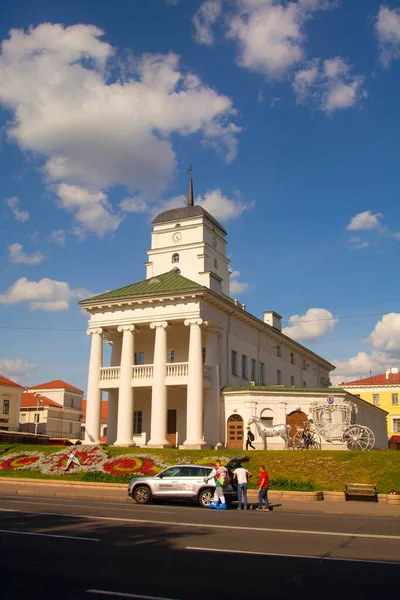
[178,339]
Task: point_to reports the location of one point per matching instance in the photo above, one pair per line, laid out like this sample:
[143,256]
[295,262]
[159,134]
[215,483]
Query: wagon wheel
[358,437]
[297,441]
[315,442]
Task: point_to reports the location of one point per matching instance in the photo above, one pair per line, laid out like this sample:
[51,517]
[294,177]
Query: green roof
[282,388]
[166,283]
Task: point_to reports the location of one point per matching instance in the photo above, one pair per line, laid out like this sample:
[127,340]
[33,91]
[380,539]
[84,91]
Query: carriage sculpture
[331,420]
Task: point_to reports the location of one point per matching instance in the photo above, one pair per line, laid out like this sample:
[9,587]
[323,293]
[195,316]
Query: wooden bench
[356,490]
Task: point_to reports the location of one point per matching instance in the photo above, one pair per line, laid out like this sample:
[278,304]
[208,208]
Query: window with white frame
[376,400]
[262,373]
[36,418]
[253,369]
[234,362]
[171,356]
[396,425]
[175,257]
[279,351]
[6,407]
[139,358]
[137,422]
[395,399]
[22,418]
[279,377]
[244,367]
[292,380]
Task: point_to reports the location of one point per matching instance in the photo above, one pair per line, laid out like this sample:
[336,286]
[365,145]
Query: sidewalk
[281,501]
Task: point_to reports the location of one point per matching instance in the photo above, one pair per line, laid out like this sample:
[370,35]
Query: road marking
[52,535]
[126,595]
[80,506]
[210,526]
[330,558]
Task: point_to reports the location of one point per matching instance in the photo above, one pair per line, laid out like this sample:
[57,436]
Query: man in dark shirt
[263,489]
[249,439]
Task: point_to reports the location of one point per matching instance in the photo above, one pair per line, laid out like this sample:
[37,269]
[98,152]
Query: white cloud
[17,370]
[134,205]
[365,220]
[356,243]
[204,19]
[222,207]
[236,286]
[328,85]
[92,210]
[18,256]
[385,341]
[20,215]
[387,29]
[396,235]
[270,33]
[97,132]
[57,236]
[46,294]
[310,326]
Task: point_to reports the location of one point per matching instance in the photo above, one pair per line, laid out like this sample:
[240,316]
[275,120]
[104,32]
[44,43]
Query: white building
[178,339]
[10,401]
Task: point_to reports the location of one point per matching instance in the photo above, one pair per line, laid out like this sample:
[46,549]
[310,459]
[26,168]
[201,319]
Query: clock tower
[190,239]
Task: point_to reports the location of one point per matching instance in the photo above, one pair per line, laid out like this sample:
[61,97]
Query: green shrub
[106,477]
[291,485]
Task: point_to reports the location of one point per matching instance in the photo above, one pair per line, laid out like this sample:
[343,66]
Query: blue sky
[289,112]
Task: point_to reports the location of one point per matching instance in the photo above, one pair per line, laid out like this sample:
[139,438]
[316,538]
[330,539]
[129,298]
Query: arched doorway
[235,432]
[296,419]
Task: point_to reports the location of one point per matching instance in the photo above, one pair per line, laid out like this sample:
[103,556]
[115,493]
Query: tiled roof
[8,382]
[395,437]
[160,284]
[392,378]
[104,410]
[30,400]
[55,384]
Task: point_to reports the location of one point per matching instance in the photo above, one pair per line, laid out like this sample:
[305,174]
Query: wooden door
[171,427]
[296,419]
[235,432]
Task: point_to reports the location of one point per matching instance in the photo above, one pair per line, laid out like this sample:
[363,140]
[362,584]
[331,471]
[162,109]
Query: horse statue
[264,431]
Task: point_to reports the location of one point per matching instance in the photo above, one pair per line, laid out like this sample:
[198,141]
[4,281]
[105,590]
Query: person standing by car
[249,439]
[242,476]
[220,475]
[263,489]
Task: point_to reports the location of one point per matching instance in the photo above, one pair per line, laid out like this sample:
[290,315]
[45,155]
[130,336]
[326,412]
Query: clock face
[176,238]
[214,242]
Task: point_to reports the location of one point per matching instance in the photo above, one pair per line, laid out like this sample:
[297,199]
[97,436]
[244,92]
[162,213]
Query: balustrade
[177,369]
[109,373]
[142,371]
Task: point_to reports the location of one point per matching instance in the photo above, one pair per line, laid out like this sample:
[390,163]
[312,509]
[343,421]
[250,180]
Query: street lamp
[38,401]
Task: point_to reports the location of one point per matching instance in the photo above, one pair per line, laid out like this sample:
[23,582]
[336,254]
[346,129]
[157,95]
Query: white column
[158,428]
[93,406]
[194,402]
[112,415]
[125,396]
[211,408]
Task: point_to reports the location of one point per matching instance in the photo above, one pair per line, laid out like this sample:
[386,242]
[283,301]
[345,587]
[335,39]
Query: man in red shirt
[263,489]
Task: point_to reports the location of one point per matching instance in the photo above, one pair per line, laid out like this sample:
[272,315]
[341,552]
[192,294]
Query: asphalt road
[87,549]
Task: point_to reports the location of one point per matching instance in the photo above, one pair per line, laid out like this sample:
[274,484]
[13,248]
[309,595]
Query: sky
[289,112]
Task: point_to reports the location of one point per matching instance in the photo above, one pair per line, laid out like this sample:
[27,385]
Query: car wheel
[206,497]
[142,494]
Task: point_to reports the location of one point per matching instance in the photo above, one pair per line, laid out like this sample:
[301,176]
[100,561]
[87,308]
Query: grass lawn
[327,470]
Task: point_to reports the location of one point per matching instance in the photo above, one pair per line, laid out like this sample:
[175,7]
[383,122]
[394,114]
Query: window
[396,425]
[262,373]
[253,369]
[6,407]
[204,355]
[244,366]
[171,356]
[376,399]
[175,258]
[292,381]
[137,422]
[292,358]
[36,418]
[304,383]
[304,365]
[279,377]
[234,365]
[139,358]
[216,263]
[279,351]
[395,399]
[22,418]
[72,404]
[70,428]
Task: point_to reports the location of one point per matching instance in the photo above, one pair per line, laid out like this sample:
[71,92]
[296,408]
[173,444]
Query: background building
[380,390]
[10,400]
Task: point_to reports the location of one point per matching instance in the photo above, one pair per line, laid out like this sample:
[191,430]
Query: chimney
[387,373]
[273,319]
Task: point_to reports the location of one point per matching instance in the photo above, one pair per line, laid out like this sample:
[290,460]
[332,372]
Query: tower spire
[190,201]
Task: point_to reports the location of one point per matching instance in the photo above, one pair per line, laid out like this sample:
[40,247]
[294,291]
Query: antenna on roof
[190,189]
